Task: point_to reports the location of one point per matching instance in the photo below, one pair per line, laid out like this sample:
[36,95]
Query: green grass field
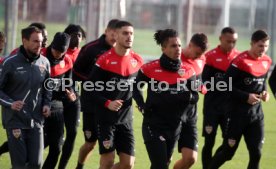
[145,45]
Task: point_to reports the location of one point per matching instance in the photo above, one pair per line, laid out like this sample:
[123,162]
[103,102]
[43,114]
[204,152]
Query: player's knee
[187,162]
[255,154]
[89,146]
[191,160]
[209,141]
[126,165]
[107,163]
[229,153]
[70,137]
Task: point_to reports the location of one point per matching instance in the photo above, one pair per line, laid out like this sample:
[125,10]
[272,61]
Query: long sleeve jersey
[23,79]
[248,76]
[113,77]
[217,62]
[165,106]
[88,56]
[84,63]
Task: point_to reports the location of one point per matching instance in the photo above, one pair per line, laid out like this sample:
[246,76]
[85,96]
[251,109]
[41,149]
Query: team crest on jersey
[107,144]
[88,134]
[231,142]
[181,72]
[162,138]
[199,63]
[133,62]
[42,68]
[16,133]
[265,64]
[208,129]
[62,64]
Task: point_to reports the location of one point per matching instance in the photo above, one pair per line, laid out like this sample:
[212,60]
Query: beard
[74,44]
[127,47]
[32,54]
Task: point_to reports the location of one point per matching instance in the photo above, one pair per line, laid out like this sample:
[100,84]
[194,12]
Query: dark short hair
[121,24]
[112,23]
[259,35]
[26,32]
[72,28]
[228,30]
[61,41]
[200,40]
[162,36]
[39,25]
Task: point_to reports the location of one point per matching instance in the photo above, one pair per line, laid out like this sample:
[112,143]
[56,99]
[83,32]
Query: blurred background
[186,16]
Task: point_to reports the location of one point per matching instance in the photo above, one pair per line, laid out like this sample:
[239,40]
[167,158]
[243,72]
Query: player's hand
[115,105]
[253,99]
[46,111]
[71,95]
[265,96]
[17,105]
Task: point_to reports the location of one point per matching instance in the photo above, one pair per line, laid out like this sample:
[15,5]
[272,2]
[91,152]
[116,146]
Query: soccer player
[25,100]
[81,71]
[72,108]
[248,72]
[113,103]
[193,55]
[77,35]
[164,107]
[217,62]
[61,68]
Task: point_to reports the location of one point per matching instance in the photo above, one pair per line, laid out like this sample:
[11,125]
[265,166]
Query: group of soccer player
[169,114]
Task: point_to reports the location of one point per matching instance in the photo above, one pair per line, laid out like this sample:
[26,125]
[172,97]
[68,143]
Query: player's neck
[253,55]
[121,51]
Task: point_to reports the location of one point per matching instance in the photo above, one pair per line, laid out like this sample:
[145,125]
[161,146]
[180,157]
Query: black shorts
[160,143]
[252,128]
[188,136]
[211,122]
[89,126]
[117,137]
